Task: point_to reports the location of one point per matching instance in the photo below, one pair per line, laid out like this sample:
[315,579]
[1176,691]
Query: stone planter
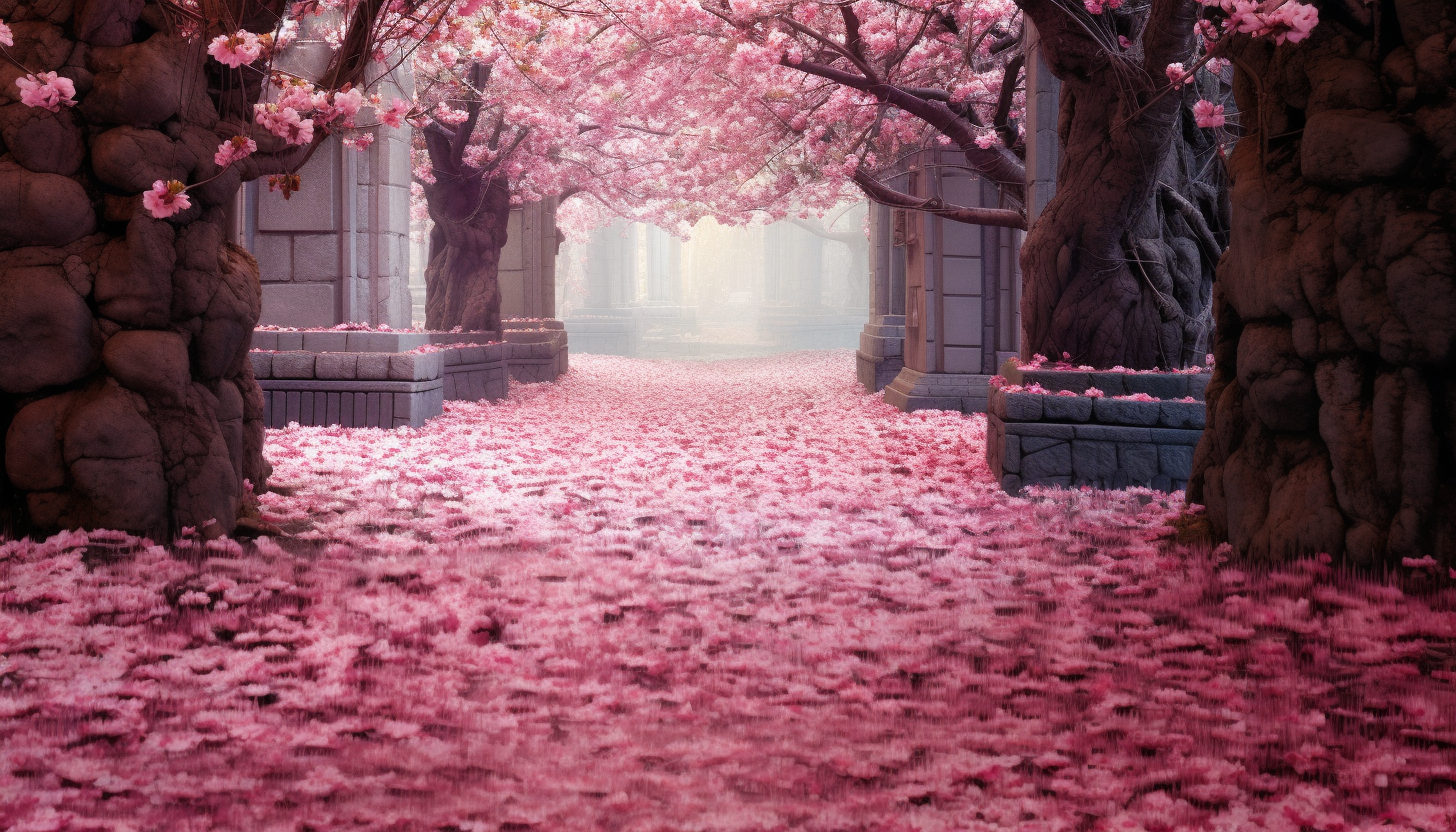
[355,390]
[537,354]
[1041,438]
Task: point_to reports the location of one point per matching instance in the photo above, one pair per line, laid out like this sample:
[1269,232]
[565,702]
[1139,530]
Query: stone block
[274,253]
[1023,407]
[1109,383]
[1010,483]
[415,366]
[1162,482]
[1011,458]
[1157,385]
[1197,384]
[1176,461]
[1170,436]
[1055,461]
[1140,461]
[1052,431]
[336,365]
[1124,412]
[1114,433]
[1184,415]
[300,305]
[1056,380]
[263,340]
[315,257]
[325,341]
[293,365]
[373,365]
[1066,408]
[1032,444]
[289,341]
[1094,462]
[262,364]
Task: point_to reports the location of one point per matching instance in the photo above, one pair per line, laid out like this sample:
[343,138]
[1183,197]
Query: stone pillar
[610,323]
[881,353]
[664,313]
[1043,151]
[958,293]
[528,262]
[338,249]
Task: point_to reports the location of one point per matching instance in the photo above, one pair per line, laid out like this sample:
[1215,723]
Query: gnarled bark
[1332,408]
[1118,267]
[462,279]
[470,205]
[127,400]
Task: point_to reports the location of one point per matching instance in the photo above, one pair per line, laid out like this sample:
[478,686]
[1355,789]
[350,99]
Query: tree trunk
[462,280]
[1118,268]
[127,400]
[1332,409]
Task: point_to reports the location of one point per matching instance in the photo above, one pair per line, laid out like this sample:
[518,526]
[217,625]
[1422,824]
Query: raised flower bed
[1071,426]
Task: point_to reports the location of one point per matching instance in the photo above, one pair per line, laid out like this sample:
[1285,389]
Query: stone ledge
[1101,456]
[913,390]
[1157,385]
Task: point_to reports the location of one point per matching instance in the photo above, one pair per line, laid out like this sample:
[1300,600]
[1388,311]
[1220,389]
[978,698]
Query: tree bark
[127,400]
[1332,408]
[1115,273]
[462,279]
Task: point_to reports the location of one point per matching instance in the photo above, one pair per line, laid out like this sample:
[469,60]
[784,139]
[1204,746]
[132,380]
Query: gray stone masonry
[914,390]
[1047,439]
[356,390]
[881,353]
[525,362]
[537,354]
[606,331]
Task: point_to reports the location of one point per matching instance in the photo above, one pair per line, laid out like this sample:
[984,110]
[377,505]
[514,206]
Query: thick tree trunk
[462,280]
[1332,409]
[1118,268]
[127,400]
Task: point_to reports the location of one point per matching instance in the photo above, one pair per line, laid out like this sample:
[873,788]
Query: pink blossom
[232,150]
[393,116]
[360,142]
[237,49]
[1208,114]
[1123,41]
[285,123]
[7,38]
[47,90]
[1093,393]
[166,198]
[1176,74]
[985,141]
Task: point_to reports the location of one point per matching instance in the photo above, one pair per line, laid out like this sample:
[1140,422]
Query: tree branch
[885,195]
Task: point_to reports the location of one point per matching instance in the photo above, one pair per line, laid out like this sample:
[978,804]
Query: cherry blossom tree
[126,397]
[1120,265]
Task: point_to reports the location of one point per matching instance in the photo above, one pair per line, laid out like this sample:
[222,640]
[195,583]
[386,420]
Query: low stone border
[1042,438]
[537,354]
[376,390]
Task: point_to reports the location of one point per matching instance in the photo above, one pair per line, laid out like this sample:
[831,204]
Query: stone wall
[1034,436]
[337,250]
[352,389]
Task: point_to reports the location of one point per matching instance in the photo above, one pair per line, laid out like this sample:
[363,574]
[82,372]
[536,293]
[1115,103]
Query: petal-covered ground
[713,596]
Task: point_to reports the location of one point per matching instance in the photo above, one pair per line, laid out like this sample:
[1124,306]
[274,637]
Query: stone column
[528,262]
[1043,151]
[956,293]
[881,353]
[338,249]
[610,323]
